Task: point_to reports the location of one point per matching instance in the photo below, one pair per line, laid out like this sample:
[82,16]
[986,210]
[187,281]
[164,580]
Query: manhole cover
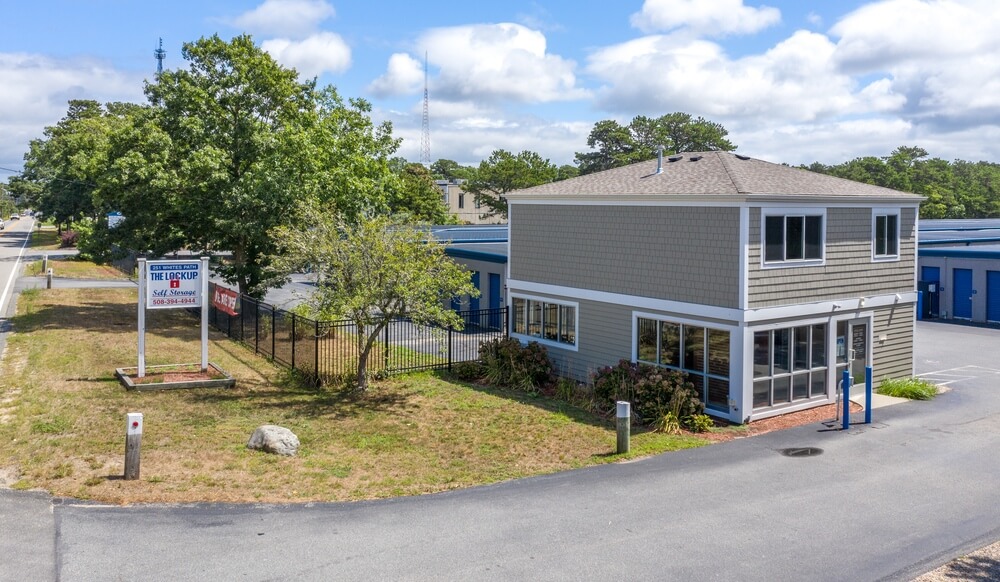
[801,452]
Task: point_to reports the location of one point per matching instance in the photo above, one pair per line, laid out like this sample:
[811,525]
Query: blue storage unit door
[992,295]
[495,299]
[961,293]
[932,299]
[474,301]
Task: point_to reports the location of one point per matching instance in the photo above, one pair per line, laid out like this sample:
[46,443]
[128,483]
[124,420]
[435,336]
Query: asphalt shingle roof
[709,174]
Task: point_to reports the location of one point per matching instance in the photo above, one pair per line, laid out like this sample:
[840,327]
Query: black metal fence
[329,350]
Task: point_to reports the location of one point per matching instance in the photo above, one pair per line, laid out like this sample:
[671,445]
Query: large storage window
[789,364]
[546,320]
[793,238]
[701,352]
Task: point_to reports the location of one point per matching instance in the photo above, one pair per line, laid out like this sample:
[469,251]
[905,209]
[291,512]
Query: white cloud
[709,18]
[494,62]
[404,75]
[324,52]
[35,89]
[814,19]
[793,81]
[288,18]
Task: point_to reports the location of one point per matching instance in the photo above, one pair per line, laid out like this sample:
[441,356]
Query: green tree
[419,198]
[504,172]
[371,272]
[450,170]
[615,145]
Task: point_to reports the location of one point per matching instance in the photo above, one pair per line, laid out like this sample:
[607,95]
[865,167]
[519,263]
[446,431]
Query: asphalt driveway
[887,501]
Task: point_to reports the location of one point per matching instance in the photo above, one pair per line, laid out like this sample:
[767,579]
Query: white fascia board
[713,201]
[835,307]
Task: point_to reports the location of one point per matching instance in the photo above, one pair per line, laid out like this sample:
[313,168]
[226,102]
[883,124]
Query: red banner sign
[225,299]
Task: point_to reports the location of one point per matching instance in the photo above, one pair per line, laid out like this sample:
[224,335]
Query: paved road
[882,502]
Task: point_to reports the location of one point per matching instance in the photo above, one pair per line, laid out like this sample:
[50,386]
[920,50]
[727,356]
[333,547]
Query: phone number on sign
[176,301]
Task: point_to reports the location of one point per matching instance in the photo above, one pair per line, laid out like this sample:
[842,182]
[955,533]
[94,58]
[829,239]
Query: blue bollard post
[920,305]
[846,382]
[868,394]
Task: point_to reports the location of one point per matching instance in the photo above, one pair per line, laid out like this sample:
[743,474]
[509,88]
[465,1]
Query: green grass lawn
[62,419]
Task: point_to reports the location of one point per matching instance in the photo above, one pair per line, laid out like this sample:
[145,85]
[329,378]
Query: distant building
[463,204]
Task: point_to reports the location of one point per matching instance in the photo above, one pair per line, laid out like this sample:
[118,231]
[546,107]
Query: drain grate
[801,452]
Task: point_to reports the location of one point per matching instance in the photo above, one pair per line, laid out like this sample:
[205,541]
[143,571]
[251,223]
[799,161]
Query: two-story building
[762,282]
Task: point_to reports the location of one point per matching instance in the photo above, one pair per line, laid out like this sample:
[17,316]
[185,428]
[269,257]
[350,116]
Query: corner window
[700,352]
[793,238]
[547,321]
[885,235]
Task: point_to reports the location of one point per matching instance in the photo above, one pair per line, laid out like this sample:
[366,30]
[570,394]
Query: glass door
[853,349]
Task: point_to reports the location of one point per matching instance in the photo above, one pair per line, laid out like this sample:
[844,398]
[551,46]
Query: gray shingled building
[760,281]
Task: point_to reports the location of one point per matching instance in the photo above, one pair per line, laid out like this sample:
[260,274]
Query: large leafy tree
[504,172]
[372,271]
[616,145]
[444,169]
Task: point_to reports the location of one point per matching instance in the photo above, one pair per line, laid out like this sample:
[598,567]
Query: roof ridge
[726,161]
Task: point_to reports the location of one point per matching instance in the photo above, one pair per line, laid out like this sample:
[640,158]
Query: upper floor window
[793,238]
[885,234]
[461,200]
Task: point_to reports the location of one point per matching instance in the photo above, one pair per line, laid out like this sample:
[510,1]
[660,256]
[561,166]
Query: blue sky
[793,81]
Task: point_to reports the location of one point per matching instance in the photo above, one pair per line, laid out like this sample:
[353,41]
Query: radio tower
[160,54]
[425,129]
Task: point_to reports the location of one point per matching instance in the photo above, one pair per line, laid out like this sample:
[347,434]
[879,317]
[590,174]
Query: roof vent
[695,158]
[659,159]
[742,157]
[675,158]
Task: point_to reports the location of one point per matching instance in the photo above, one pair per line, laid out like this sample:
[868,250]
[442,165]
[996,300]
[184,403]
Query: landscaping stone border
[124,376]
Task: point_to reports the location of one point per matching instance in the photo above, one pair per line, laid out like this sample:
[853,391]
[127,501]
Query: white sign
[114,219]
[172,284]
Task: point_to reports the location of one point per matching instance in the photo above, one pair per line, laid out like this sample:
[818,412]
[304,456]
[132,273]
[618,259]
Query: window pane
[718,394]
[718,352]
[879,235]
[774,238]
[814,237]
[818,386]
[781,389]
[761,354]
[670,344]
[535,318]
[647,340]
[761,393]
[694,348]
[801,355]
[519,314]
[794,237]
[800,386]
[551,311]
[567,324]
[819,345]
[781,351]
[892,235]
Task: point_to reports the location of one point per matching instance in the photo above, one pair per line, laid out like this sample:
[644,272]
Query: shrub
[699,423]
[667,423]
[912,388]
[68,238]
[468,371]
[509,365]
[653,391]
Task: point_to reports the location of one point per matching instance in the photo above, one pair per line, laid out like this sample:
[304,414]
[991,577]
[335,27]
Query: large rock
[274,439]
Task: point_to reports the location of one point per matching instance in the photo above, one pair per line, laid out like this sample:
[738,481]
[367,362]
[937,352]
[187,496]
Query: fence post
[385,348]
[256,328]
[293,339]
[450,328]
[273,334]
[316,350]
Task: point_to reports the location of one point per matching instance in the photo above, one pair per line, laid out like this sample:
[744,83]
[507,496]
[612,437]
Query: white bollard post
[624,425]
[48,279]
[133,444]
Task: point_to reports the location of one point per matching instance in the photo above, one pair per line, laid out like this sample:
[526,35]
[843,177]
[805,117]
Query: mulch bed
[792,419]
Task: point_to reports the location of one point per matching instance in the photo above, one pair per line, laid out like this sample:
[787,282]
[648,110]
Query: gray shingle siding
[849,270]
[894,357]
[676,253]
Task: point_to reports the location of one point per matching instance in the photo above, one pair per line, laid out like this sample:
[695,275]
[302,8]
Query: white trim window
[544,320]
[885,234]
[793,237]
[700,352]
[789,364]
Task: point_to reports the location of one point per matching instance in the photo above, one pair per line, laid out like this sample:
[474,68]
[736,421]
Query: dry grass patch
[73,268]
[44,238]
[64,426]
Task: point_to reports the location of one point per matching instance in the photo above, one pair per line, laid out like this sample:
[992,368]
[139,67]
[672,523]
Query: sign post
[142,318]
[204,314]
